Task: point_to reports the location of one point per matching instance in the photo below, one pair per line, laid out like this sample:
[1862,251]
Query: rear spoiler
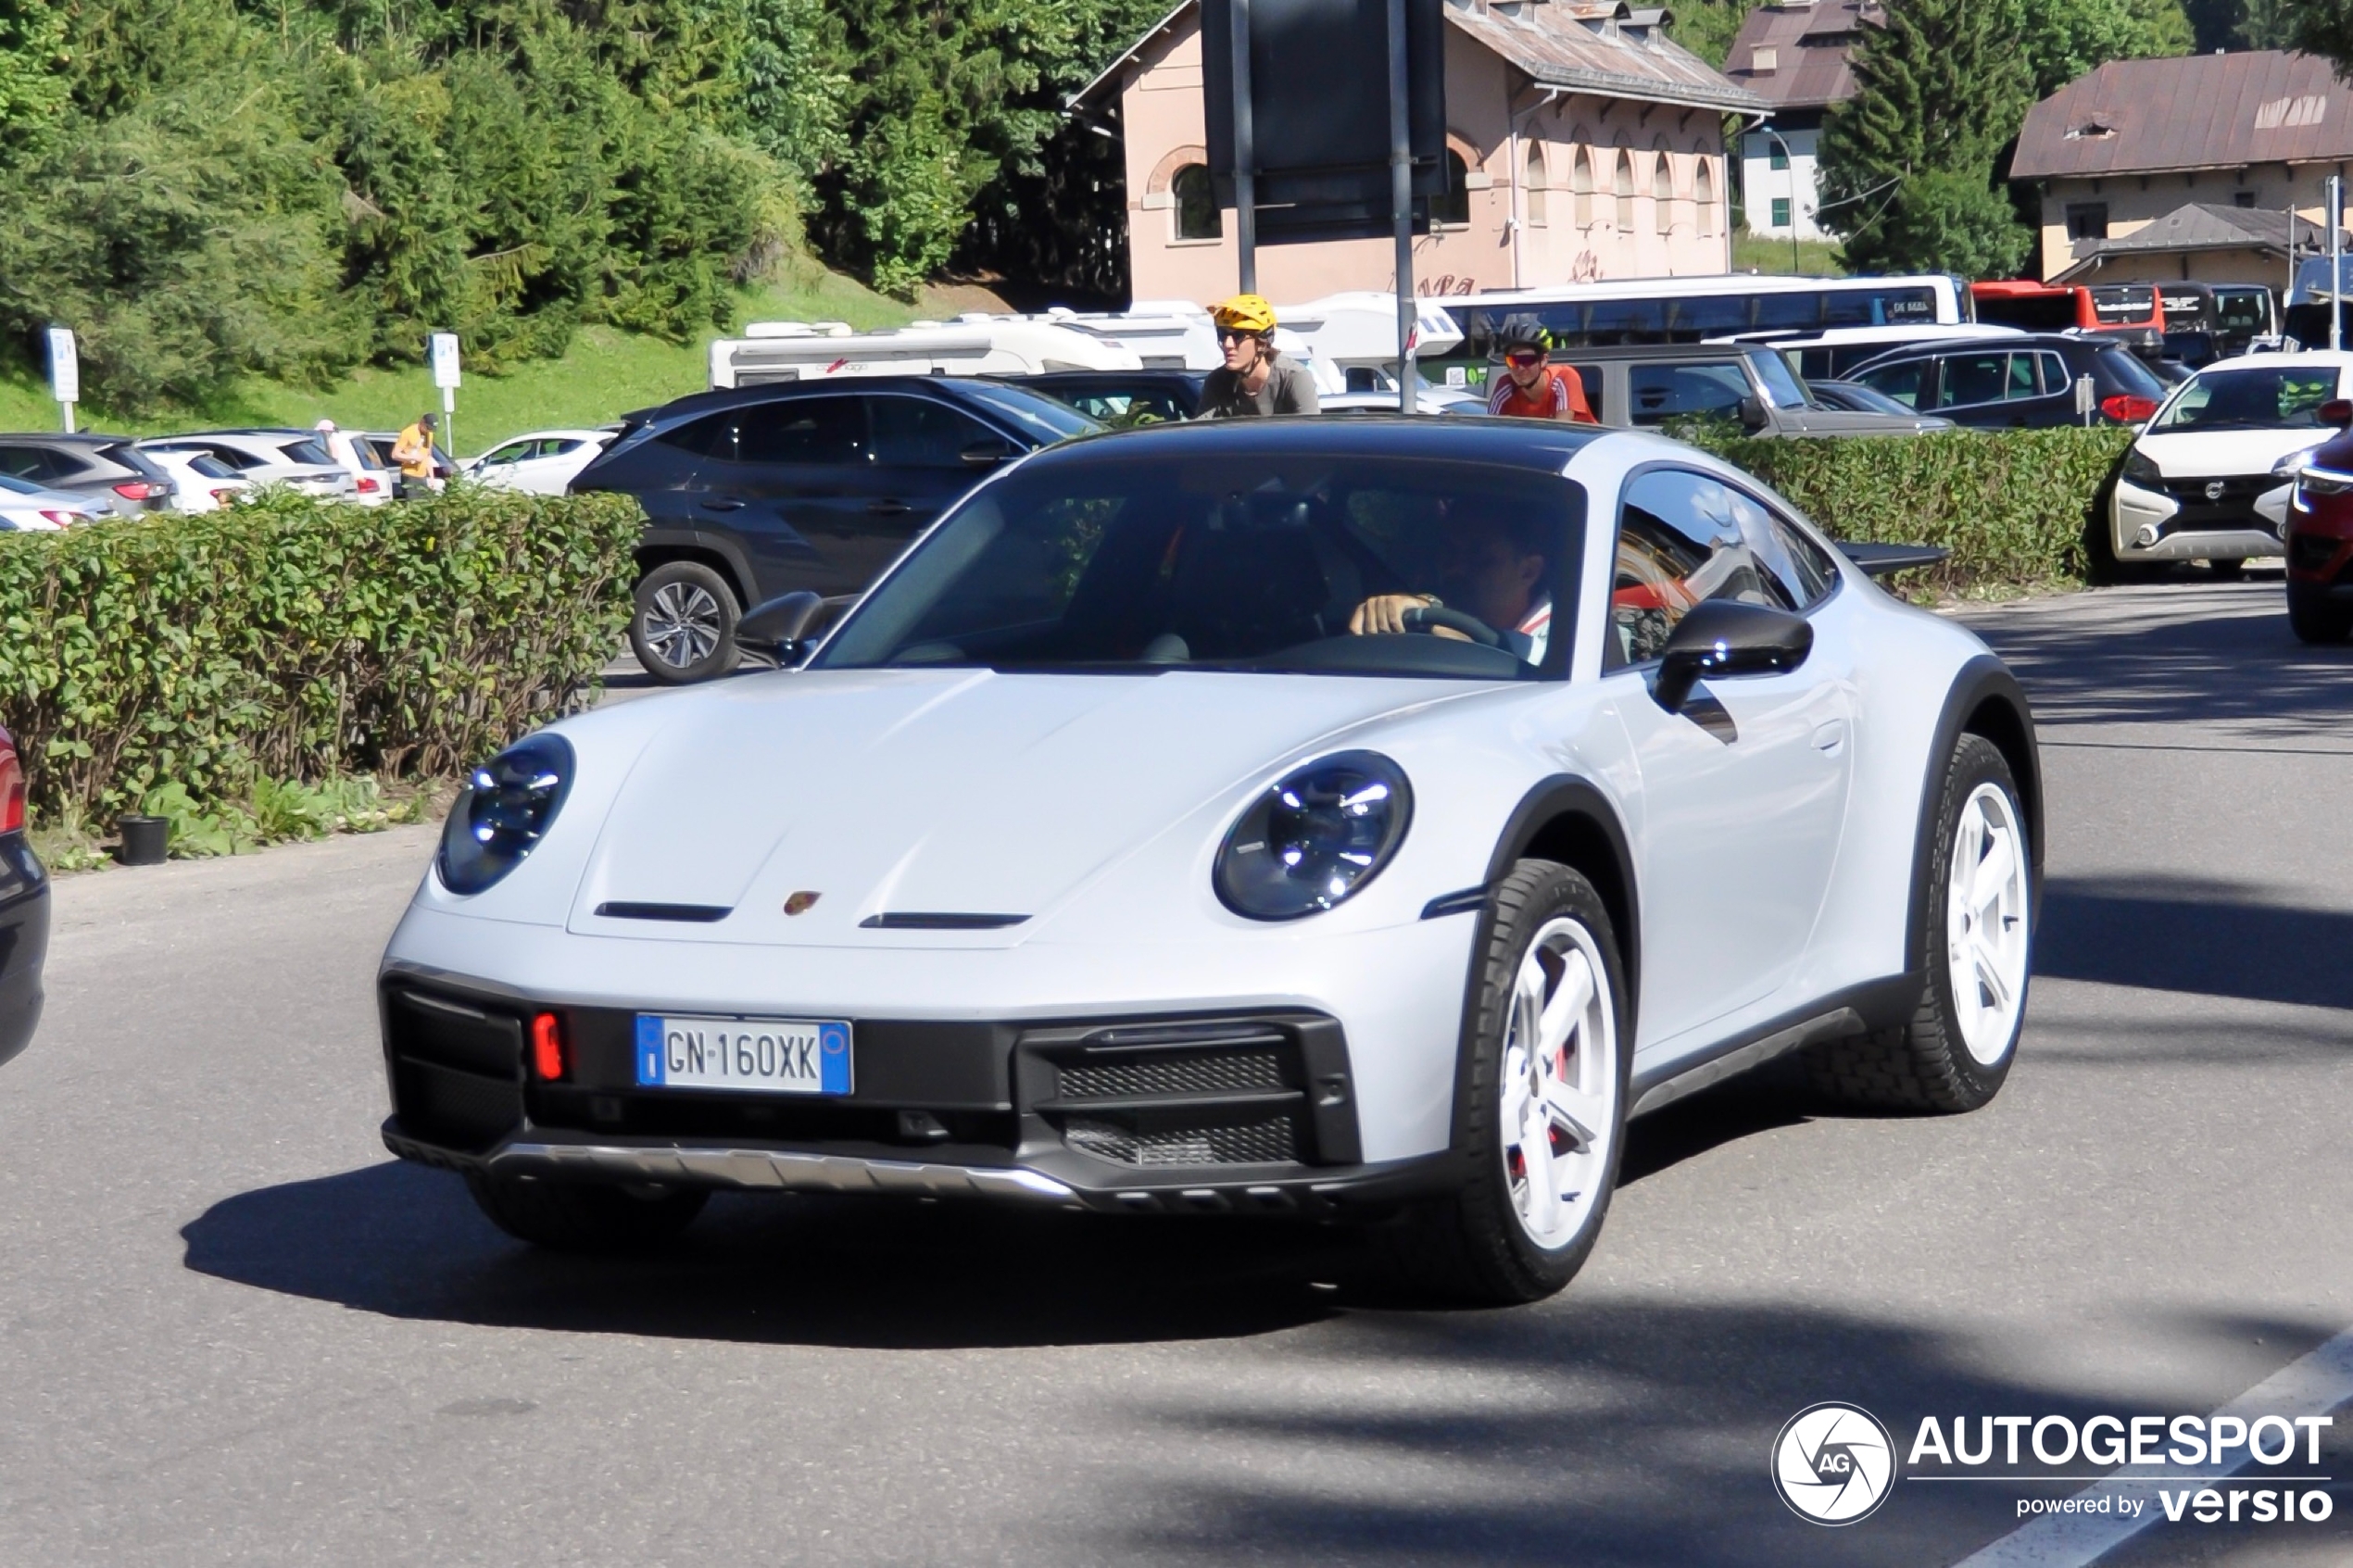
[1885,560]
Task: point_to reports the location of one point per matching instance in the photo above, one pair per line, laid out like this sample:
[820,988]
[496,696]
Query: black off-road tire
[1925,1065]
[585,1216]
[2315,617]
[2230,571]
[1469,1249]
[666,593]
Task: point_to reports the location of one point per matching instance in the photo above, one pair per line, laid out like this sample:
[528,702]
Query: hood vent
[919,920]
[700,914]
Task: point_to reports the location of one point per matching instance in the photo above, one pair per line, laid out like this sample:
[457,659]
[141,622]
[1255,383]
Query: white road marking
[2313,1386]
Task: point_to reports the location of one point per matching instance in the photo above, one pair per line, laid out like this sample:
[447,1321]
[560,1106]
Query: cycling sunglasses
[1524,357]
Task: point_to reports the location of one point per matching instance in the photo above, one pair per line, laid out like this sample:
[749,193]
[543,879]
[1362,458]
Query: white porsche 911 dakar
[1358,820]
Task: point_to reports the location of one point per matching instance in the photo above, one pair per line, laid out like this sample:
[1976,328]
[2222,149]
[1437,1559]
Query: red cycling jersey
[1558,394]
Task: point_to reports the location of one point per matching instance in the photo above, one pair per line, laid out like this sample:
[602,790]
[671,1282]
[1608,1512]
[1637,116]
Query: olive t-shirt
[1289,389]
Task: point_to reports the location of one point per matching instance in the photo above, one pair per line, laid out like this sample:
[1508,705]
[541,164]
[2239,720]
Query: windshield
[1256,561]
[2285,397]
[1044,419]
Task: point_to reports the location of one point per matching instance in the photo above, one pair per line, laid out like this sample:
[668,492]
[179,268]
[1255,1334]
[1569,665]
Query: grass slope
[605,375]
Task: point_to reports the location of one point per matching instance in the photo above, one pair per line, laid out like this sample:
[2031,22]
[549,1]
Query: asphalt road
[234,1331]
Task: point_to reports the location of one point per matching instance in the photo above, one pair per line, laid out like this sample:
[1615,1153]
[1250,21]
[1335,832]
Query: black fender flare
[1983,679]
[658,537]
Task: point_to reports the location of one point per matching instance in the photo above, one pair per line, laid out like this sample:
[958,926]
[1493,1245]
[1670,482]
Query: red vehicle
[2128,310]
[2319,537]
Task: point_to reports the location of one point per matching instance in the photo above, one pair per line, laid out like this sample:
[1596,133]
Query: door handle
[887,508]
[1829,736]
[722,503]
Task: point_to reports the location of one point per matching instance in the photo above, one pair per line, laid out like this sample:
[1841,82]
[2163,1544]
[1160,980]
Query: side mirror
[1752,412]
[988,453]
[2338,411]
[1725,637]
[777,625]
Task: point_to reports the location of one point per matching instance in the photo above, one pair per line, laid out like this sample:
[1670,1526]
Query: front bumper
[2180,521]
[1249,1111]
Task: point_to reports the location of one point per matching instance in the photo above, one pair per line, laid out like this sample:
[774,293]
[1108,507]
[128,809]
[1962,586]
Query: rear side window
[1684,538]
[1972,379]
[1659,392]
[33,463]
[2055,376]
[805,431]
[2119,369]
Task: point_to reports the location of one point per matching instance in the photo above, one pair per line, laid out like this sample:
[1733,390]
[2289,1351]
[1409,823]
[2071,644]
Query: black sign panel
[1319,112]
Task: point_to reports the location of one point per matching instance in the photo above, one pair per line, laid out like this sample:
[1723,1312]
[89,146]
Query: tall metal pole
[1401,202]
[2336,271]
[1245,153]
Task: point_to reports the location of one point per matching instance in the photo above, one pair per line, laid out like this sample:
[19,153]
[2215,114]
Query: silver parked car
[292,458]
[106,469]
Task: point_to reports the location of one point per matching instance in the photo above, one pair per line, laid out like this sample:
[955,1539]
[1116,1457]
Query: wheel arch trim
[1985,700]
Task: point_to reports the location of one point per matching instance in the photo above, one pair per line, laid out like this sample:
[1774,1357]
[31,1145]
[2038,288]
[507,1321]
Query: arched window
[1625,184]
[1704,194]
[1663,187]
[1197,214]
[1580,183]
[1537,184]
[1453,205]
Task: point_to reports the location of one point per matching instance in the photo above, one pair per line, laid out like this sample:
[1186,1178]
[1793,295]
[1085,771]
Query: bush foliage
[297,640]
[2010,505]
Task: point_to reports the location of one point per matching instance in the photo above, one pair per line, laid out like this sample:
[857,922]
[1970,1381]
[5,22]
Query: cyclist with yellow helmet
[1254,378]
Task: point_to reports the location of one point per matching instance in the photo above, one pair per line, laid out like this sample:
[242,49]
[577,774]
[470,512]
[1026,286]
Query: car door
[1743,791]
[921,468]
[788,482]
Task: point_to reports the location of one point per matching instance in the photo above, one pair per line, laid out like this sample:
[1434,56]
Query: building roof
[2201,226]
[2197,111]
[1599,46]
[1797,53]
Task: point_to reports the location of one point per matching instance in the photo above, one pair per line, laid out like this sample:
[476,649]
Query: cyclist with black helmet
[1255,379]
[1530,388]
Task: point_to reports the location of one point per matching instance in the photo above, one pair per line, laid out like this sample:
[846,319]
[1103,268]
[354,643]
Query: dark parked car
[2021,382]
[1122,398]
[758,492]
[24,911]
[1664,383]
[104,468]
[1856,398]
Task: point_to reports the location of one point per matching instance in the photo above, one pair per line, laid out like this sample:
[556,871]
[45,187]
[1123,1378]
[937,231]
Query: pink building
[1583,143]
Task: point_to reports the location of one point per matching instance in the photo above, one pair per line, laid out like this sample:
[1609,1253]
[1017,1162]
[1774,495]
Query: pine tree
[1907,165]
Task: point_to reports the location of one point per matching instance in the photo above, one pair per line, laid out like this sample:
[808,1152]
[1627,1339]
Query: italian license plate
[777,1056]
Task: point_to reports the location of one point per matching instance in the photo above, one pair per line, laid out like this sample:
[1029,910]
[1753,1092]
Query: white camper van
[970,345]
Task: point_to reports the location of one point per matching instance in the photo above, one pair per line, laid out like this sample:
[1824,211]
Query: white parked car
[2206,479]
[1357,817]
[543,462]
[292,458]
[206,484]
[28,508]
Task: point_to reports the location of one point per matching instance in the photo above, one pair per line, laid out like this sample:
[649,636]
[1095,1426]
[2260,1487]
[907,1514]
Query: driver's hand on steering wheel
[1385,613]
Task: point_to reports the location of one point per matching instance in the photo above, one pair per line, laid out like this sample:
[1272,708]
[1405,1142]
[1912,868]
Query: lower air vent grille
[1273,1141]
[1192,1073]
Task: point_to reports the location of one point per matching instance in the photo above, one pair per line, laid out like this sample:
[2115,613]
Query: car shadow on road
[407,1241]
[2193,934]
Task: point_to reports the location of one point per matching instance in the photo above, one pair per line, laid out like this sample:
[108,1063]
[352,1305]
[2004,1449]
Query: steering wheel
[1429,618]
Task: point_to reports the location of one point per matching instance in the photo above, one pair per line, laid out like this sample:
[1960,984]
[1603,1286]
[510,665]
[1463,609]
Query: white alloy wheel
[1559,1085]
[684,623]
[1985,922]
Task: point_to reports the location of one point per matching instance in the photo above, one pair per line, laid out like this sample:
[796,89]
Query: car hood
[936,793]
[2222,453]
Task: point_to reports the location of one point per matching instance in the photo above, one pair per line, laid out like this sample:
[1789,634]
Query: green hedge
[2010,503]
[292,639]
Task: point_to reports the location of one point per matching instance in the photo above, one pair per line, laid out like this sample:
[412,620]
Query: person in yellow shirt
[413,449]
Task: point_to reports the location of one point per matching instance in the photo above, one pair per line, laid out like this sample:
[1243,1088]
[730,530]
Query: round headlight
[508,805]
[1315,837]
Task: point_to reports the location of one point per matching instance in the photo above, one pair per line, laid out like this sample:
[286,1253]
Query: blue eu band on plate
[775,1056]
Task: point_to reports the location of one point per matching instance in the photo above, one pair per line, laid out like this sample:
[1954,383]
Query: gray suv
[107,468]
[1637,385]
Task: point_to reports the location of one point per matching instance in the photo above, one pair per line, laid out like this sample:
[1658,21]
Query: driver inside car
[1495,569]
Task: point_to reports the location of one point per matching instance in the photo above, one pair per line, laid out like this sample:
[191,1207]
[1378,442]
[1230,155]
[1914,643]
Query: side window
[28,462]
[512,452]
[1660,393]
[1590,378]
[1971,379]
[915,433]
[1684,538]
[1909,383]
[807,432]
[2055,376]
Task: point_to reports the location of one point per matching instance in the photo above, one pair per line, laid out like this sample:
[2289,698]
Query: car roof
[1716,350]
[59,438]
[832,386]
[1992,345]
[1538,445]
[2315,357]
